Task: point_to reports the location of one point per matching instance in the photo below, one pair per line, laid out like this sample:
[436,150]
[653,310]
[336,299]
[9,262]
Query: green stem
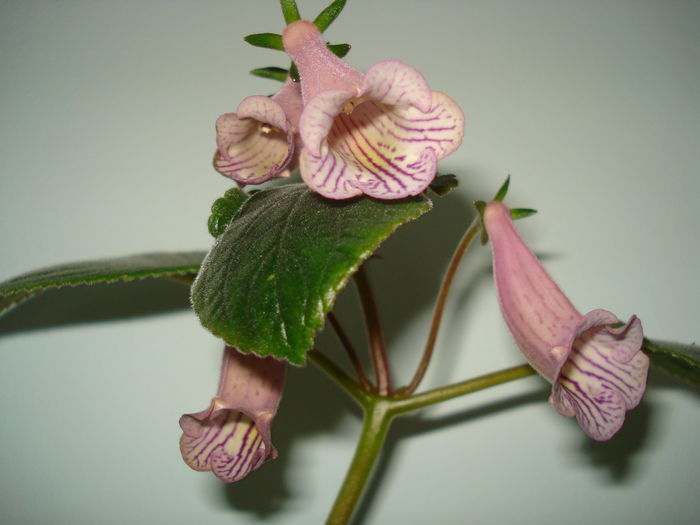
[377,420]
[431,397]
[379,412]
[467,239]
[339,376]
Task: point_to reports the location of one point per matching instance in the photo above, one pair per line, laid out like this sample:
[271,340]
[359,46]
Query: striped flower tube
[380,134]
[257,142]
[232,437]
[595,365]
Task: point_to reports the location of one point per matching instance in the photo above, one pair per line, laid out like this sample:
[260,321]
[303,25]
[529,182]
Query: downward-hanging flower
[596,368]
[380,134]
[257,142]
[232,437]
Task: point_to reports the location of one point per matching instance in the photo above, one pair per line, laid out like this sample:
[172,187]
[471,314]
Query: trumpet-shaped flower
[594,363]
[257,142]
[232,437]
[380,134]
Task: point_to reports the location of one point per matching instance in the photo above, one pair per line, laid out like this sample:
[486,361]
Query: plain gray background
[107,114]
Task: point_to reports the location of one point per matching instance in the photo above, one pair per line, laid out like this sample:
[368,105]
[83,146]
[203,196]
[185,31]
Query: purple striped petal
[597,372]
[393,82]
[228,444]
[537,312]
[604,375]
[257,142]
[387,152]
[232,437]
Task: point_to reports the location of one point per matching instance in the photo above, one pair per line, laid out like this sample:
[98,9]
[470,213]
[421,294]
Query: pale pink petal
[440,128]
[393,82]
[604,375]
[318,118]
[538,314]
[228,444]
[255,143]
[327,175]
[365,151]
[319,69]
[232,437]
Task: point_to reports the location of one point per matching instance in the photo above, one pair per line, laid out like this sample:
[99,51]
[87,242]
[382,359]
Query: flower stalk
[457,256]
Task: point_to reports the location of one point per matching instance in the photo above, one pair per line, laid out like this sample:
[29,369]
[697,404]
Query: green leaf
[502,191]
[17,290]
[271,72]
[290,11]
[223,210]
[444,184]
[679,360]
[266,40]
[339,50]
[268,282]
[328,15]
[521,213]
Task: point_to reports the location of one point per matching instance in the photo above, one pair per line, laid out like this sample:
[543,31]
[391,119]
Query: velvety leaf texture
[17,290]
[679,360]
[271,277]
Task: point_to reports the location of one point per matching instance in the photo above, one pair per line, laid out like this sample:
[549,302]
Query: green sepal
[294,72]
[181,266]
[521,213]
[676,359]
[480,209]
[339,50]
[272,276]
[502,191]
[223,210]
[444,184]
[326,17]
[271,72]
[290,11]
[266,40]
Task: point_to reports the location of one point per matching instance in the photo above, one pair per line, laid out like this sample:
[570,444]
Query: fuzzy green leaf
[268,282]
[174,265]
[223,210]
[679,360]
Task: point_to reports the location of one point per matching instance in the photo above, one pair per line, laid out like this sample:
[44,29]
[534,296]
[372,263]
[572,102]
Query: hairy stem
[350,351]
[467,239]
[377,346]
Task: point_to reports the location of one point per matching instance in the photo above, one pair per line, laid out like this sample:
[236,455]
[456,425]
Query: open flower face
[232,437]
[595,365]
[257,143]
[380,134]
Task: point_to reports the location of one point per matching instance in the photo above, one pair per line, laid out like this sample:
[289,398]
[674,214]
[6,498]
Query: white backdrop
[106,136]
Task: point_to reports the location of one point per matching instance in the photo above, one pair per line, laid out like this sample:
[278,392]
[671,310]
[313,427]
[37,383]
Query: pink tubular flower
[256,143]
[597,370]
[380,134]
[232,437]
